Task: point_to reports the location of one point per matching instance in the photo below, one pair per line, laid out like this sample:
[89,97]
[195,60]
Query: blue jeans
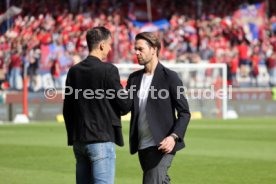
[95,163]
[57,82]
[15,79]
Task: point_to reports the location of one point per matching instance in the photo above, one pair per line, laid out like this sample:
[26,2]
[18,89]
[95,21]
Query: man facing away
[92,119]
[155,131]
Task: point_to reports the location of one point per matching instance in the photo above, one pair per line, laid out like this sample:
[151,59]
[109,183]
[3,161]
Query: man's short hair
[95,35]
[151,39]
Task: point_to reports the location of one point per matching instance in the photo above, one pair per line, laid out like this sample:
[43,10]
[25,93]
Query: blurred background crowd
[49,36]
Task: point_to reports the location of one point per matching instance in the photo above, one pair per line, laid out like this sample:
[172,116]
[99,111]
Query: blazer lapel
[137,83]
[155,80]
[154,84]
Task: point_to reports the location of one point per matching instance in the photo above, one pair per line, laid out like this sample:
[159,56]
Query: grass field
[218,152]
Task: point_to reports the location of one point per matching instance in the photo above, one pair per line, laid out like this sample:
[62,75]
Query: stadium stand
[48,36]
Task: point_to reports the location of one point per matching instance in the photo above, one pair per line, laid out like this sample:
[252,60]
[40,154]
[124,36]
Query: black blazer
[161,113]
[96,119]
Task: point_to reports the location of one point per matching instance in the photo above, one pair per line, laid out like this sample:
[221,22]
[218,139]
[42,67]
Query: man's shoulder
[73,68]
[171,74]
[136,73]
[76,67]
[109,67]
[95,62]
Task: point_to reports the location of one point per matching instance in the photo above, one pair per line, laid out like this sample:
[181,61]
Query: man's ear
[101,45]
[155,50]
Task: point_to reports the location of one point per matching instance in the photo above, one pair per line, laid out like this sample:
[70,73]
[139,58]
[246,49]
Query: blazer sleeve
[121,96]
[181,104]
[68,105]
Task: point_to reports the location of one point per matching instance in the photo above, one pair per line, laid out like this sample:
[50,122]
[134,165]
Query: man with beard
[155,131]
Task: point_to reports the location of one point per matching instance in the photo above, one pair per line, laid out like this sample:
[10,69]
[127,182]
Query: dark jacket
[160,112]
[96,118]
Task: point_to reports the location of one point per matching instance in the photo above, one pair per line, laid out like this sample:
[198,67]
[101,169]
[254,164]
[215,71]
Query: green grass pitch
[218,152]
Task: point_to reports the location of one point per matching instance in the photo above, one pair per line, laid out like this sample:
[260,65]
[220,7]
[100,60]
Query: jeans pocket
[110,150]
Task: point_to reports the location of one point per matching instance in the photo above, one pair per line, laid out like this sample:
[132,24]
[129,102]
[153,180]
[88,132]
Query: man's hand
[167,144]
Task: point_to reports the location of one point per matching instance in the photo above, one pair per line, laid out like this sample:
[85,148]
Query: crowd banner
[252,19]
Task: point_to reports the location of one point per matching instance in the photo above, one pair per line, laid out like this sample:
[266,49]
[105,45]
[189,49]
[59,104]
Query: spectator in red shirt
[2,70]
[255,65]
[234,68]
[271,66]
[55,72]
[15,79]
[243,57]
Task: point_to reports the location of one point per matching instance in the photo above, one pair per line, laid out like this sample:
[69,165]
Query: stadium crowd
[50,37]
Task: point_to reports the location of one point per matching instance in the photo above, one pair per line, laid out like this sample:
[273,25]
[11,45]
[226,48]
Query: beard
[142,61]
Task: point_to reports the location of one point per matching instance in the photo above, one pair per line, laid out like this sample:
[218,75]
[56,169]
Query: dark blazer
[96,119]
[160,112]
